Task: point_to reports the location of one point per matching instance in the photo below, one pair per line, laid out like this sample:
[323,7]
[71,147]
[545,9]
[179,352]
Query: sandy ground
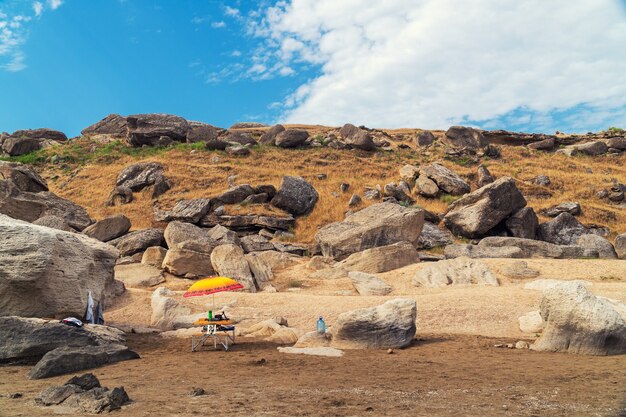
[452,368]
[440,375]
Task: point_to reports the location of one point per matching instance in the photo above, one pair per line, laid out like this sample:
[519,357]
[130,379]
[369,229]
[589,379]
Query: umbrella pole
[214,302]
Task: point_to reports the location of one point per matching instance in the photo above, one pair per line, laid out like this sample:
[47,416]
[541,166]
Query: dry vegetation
[198,173]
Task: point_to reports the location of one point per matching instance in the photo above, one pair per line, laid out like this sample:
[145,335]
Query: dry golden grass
[198,173]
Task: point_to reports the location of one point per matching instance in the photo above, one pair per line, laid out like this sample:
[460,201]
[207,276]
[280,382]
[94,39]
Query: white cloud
[235,53]
[231,11]
[217,25]
[55,4]
[16,63]
[38,8]
[432,63]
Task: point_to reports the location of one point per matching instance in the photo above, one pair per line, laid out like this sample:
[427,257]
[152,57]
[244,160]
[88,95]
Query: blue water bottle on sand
[321,326]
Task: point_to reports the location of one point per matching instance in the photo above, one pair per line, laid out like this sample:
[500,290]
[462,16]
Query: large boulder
[112,125]
[390,325]
[459,271]
[570,207]
[361,140]
[483,176]
[434,237]
[381,259]
[168,313]
[137,241]
[48,273]
[576,321]
[377,225]
[563,230]
[236,194]
[148,129]
[182,262]
[464,137]
[523,223]
[109,228]
[139,176]
[54,222]
[368,284]
[269,137]
[23,177]
[604,248]
[426,187]
[538,249]
[68,359]
[28,339]
[480,211]
[190,211]
[202,132]
[295,196]
[291,138]
[22,142]
[181,235]
[229,261]
[153,256]
[139,275]
[475,251]
[446,179]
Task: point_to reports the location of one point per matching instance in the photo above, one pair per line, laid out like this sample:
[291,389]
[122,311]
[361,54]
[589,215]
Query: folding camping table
[222,332]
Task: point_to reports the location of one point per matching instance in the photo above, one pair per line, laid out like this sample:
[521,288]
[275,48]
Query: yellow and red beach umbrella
[210,286]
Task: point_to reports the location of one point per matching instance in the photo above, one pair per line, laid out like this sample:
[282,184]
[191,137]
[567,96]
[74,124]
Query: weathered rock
[181,235]
[137,241]
[572,208]
[397,192]
[54,222]
[147,129]
[56,394]
[239,138]
[295,196]
[139,176]
[424,138]
[519,270]
[377,225]
[434,237]
[161,186]
[390,325]
[120,196]
[355,200]
[483,176]
[591,148]
[604,247]
[222,236]
[549,284]
[181,262]
[28,339]
[216,145]
[154,256]
[361,140]
[261,270]
[291,138]
[543,145]
[542,180]
[190,211]
[313,340]
[579,322]
[256,199]
[381,259]
[138,275]
[202,132]
[237,150]
[255,243]
[22,142]
[108,228]
[409,174]
[620,246]
[445,179]
[426,187]
[236,194]
[538,249]
[228,260]
[168,313]
[48,273]
[269,137]
[563,230]
[459,271]
[531,322]
[618,143]
[464,137]
[348,130]
[277,260]
[113,125]
[368,284]
[475,251]
[523,223]
[480,211]
[23,177]
[67,359]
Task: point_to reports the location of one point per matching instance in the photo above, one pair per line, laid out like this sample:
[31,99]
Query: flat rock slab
[317,351]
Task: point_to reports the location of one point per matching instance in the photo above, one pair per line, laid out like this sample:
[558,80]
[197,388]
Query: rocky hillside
[349,168]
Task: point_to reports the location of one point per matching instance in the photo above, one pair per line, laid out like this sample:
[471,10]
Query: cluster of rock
[56,348]
[83,394]
[22,142]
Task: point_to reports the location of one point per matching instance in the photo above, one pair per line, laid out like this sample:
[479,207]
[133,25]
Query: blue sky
[528,66]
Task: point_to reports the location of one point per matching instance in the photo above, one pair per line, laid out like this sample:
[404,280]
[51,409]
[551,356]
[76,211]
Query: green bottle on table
[210,315]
